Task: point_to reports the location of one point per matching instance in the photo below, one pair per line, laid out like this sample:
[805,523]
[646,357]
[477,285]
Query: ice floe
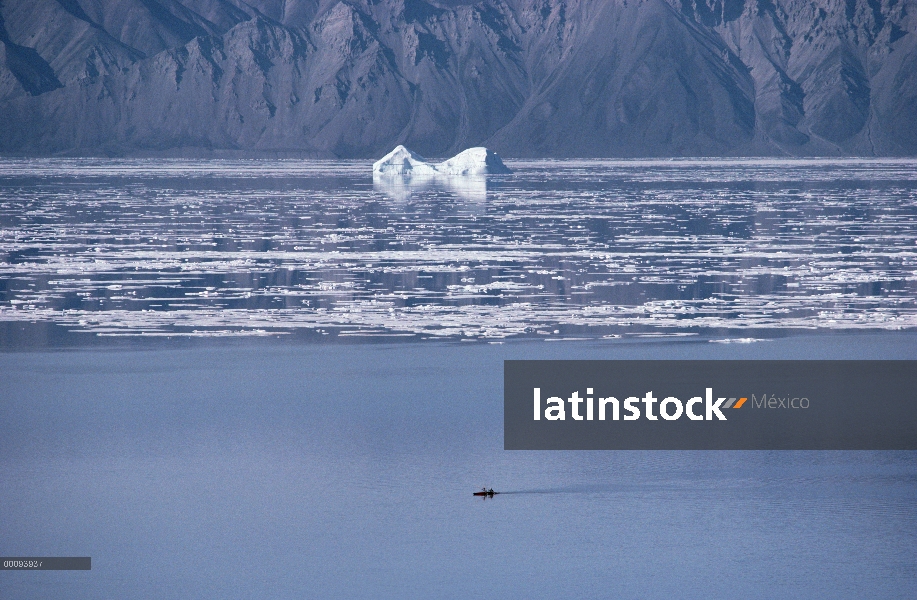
[562,249]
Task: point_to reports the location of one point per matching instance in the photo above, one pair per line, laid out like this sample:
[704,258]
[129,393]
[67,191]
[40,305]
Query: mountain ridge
[528,78]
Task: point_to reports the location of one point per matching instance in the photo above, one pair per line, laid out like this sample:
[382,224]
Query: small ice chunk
[473,161]
[403,162]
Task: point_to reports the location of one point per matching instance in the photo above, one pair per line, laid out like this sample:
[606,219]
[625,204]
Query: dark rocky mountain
[354,78]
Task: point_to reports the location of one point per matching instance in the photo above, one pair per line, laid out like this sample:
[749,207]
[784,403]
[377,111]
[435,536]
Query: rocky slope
[355,78]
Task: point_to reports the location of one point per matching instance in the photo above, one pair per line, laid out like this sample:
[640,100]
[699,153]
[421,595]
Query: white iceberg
[401,162]
[473,161]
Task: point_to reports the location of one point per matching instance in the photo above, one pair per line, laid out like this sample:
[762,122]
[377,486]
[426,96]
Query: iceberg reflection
[470,188]
[401,188]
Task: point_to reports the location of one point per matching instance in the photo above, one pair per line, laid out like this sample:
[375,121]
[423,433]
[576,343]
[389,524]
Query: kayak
[484,493]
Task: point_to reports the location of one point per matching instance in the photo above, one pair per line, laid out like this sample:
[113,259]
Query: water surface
[189,465]
[559,248]
[264,469]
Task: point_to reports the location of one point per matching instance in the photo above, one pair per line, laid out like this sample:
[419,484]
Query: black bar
[45,563]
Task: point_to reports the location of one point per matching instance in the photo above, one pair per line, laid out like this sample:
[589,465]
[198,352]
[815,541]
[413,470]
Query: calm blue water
[259,470]
[277,379]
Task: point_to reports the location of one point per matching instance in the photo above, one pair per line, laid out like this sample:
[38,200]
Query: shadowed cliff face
[524,77]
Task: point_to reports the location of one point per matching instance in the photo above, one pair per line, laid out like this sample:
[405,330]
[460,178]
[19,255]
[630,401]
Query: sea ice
[473,161]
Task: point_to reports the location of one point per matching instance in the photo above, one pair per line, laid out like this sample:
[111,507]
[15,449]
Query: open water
[330,446]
